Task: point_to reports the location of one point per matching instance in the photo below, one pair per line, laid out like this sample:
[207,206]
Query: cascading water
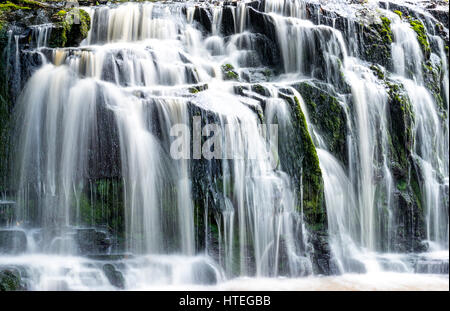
[430,134]
[98,127]
[361,222]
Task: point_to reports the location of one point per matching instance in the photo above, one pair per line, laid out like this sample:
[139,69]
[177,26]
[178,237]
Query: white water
[138,62]
[353,197]
[431,138]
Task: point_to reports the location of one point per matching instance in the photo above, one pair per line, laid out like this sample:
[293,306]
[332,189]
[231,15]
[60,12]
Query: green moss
[9,6]
[399,13]
[377,39]
[378,72]
[402,185]
[10,280]
[229,73]
[30,3]
[385,30]
[422,37]
[72,26]
[258,88]
[61,13]
[416,191]
[101,204]
[267,73]
[328,116]
[227,67]
[401,135]
[312,176]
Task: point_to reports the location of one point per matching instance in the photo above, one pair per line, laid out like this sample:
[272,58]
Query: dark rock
[262,23]
[114,276]
[328,115]
[202,16]
[204,273]
[321,259]
[12,242]
[227,26]
[70,28]
[91,241]
[10,280]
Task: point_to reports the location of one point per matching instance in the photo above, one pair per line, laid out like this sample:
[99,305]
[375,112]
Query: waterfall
[206,143]
[431,140]
[319,51]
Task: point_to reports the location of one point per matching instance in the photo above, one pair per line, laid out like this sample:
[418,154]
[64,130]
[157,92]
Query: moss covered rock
[401,118]
[10,280]
[229,73]
[377,39]
[299,159]
[328,116]
[71,28]
[407,197]
[422,37]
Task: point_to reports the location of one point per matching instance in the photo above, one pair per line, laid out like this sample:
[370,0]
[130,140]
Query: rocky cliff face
[368,35]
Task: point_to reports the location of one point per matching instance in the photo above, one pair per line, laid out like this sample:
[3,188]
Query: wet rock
[110,257]
[328,115]
[262,23]
[229,73]
[267,50]
[321,259]
[114,276]
[299,159]
[201,15]
[91,241]
[227,26]
[12,242]
[10,280]
[6,211]
[433,266]
[70,28]
[204,273]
